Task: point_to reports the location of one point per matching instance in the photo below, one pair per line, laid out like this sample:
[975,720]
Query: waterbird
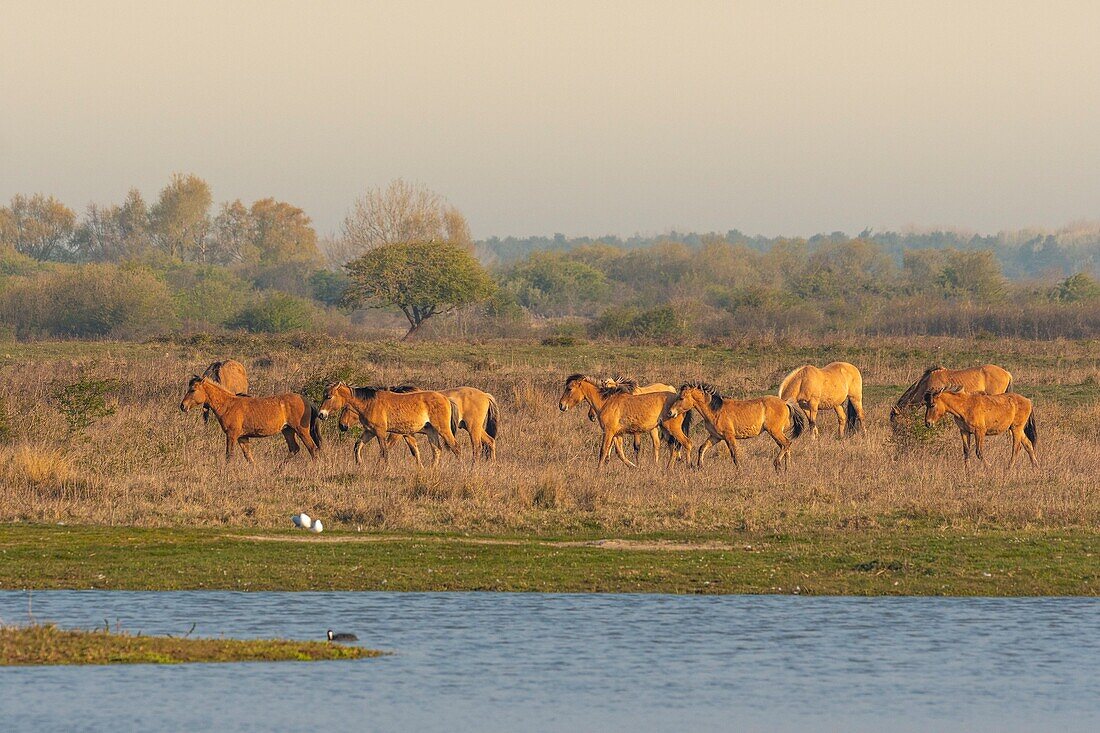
[341,637]
[317,526]
[302,520]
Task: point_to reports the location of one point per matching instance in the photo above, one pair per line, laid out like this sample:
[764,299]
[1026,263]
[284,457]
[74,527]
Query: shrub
[276,313]
[211,295]
[660,323]
[84,402]
[88,301]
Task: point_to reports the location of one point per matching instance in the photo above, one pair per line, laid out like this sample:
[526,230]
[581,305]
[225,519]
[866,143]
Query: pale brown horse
[384,414]
[979,415]
[477,414]
[837,386]
[230,374]
[242,418]
[988,379]
[728,419]
[635,388]
[622,413]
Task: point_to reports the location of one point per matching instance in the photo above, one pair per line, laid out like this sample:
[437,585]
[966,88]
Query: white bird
[317,526]
[304,521]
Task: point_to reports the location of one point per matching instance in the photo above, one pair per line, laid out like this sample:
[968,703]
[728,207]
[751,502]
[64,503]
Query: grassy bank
[43,644]
[896,560]
[146,464]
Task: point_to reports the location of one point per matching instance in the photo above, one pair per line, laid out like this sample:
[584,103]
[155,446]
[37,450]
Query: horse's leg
[841,420]
[655,436]
[811,413]
[414,448]
[979,444]
[291,443]
[383,449]
[357,450]
[704,448]
[246,449]
[966,449]
[731,443]
[307,440]
[784,448]
[605,449]
[1030,448]
[433,440]
[230,441]
[622,454]
[1017,443]
[676,428]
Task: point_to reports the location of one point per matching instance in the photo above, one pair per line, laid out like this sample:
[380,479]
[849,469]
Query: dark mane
[620,385]
[404,388]
[575,378]
[365,393]
[708,389]
[214,371]
[914,395]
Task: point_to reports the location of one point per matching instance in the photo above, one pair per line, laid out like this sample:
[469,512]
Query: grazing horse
[988,379]
[728,419]
[477,414]
[838,386]
[385,414]
[244,417]
[229,374]
[620,412]
[979,415]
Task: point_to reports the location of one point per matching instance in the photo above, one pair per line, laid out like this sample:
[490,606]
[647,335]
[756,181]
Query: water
[502,662]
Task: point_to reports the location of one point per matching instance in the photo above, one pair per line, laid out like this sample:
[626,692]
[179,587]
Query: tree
[180,218]
[286,246]
[423,279]
[233,231]
[975,274]
[403,213]
[38,226]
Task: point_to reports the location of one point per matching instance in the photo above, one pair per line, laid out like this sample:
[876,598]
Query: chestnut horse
[477,414]
[979,415]
[229,374]
[988,379]
[620,412]
[384,414]
[244,417]
[837,386]
[728,419]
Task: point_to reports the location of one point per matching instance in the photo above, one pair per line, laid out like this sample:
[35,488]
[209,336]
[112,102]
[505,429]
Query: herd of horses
[979,399]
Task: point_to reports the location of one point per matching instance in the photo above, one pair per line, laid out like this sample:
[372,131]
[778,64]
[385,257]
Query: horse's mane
[917,389]
[619,385]
[403,388]
[578,378]
[708,389]
[365,393]
[787,379]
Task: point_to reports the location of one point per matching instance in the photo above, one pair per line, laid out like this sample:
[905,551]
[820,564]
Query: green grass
[894,561]
[47,644]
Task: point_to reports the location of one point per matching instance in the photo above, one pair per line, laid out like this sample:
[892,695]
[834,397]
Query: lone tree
[423,279]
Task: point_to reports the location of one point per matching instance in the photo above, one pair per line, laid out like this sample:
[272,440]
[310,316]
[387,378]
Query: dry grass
[149,465]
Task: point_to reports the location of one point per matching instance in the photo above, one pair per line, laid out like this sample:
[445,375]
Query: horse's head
[336,396]
[348,419]
[685,400]
[573,394]
[196,393]
[934,408]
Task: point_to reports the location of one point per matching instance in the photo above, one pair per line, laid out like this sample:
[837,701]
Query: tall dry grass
[148,464]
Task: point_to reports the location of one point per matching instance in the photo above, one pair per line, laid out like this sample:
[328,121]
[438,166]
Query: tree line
[180,262]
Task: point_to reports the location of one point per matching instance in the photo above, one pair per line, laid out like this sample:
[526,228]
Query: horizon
[625,118]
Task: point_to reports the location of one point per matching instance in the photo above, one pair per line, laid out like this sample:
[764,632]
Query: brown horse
[229,374]
[620,412]
[635,388]
[384,414]
[837,386]
[242,418]
[979,415]
[988,379]
[477,414]
[728,419]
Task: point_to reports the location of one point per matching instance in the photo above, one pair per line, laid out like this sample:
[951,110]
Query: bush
[211,295]
[84,402]
[276,313]
[657,324]
[328,286]
[88,301]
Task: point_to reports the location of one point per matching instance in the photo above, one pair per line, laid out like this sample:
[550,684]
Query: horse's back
[230,374]
[799,383]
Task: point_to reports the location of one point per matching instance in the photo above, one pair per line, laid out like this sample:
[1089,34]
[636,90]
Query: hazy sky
[578,117]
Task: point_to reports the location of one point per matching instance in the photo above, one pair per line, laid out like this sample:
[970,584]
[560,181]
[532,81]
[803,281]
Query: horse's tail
[454,417]
[1008,387]
[1029,429]
[314,422]
[492,418]
[854,423]
[798,419]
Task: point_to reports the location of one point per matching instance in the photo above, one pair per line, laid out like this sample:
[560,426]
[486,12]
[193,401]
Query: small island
[47,644]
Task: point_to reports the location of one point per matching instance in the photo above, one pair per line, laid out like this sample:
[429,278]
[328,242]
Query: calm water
[486,661]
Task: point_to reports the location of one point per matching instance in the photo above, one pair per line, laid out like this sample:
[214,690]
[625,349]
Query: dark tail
[1029,429]
[314,423]
[798,419]
[492,419]
[454,417]
[1008,387]
[854,423]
